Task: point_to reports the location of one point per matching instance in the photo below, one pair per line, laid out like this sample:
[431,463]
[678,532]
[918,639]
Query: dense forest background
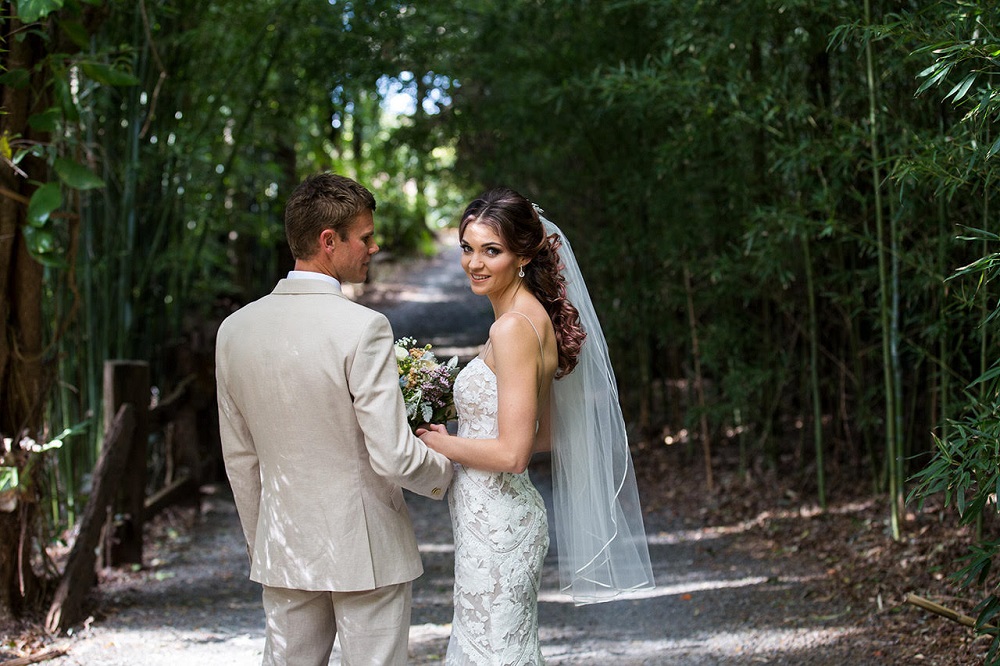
[783,210]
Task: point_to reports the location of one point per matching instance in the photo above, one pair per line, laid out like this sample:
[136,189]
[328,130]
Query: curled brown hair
[516,221]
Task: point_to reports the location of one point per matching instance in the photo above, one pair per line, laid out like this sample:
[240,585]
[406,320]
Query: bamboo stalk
[938,609]
[814,373]
[706,443]
[885,285]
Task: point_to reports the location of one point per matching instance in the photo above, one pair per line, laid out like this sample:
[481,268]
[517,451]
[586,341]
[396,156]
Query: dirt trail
[716,601]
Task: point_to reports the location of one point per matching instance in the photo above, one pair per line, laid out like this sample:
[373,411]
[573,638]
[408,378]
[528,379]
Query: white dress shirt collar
[310,275]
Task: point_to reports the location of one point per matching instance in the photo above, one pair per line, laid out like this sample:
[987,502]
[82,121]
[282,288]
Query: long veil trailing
[600,538]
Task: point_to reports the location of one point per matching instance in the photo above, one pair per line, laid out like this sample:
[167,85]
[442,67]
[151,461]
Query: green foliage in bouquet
[426,383]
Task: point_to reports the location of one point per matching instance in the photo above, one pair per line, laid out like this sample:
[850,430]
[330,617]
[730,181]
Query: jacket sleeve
[395,452]
[239,453]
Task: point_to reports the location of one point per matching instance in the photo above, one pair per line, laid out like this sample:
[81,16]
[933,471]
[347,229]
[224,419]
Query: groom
[317,447]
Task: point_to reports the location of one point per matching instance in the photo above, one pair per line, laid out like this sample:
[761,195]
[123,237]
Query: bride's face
[489,263]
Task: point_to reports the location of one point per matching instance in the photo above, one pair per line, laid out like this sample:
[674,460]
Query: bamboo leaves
[936,73]
[961,88]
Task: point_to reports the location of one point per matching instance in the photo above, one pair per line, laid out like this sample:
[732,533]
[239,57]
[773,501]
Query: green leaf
[36,150]
[46,199]
[15,78]
[991,373]
[962,88]
[41,244]
[76,32]
[30,11]
[76,175]
[938,76]
[994,148]
[108,75]
[46,121]
[8,478]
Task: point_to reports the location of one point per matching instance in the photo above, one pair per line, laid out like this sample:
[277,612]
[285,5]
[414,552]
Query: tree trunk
[22,376]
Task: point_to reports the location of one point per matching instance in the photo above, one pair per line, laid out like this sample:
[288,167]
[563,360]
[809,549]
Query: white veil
[600,538]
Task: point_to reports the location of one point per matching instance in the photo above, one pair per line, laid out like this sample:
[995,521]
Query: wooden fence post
[78,576]
[128,382]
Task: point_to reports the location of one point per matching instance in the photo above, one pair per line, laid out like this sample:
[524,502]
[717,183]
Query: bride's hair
[516,221]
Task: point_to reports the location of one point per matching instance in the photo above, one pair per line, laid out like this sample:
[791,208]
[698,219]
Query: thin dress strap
[541,348]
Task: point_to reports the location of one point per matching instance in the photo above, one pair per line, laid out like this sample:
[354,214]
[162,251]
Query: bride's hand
[430,435]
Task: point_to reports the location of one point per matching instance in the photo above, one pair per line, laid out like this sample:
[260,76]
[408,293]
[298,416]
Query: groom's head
[324,201]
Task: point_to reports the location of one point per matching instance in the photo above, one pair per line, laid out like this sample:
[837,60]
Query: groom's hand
[431,427]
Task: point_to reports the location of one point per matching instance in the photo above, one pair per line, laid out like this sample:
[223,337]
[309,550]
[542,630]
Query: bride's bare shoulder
[516,324]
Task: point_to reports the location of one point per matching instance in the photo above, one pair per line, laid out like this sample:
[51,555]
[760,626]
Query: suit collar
[306,286]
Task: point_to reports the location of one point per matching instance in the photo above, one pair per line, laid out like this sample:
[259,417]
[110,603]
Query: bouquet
[426,383]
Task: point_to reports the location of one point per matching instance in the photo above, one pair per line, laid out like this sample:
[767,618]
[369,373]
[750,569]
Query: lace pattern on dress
[501,538]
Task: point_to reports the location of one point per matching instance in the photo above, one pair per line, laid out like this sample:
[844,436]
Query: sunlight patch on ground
[420,633]
[554,596]
[762,644]
[402,293]
[684,536]
[422,295]
[800,512]
[166,647]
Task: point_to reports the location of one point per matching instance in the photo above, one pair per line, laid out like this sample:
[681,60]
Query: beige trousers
[374,626]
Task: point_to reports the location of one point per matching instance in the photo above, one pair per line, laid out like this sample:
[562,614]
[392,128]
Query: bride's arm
[543,438]
[515,355]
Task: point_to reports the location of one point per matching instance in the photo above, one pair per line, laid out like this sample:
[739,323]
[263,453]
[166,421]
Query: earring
[520,271]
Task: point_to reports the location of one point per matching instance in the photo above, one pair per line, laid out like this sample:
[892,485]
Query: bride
[543,381]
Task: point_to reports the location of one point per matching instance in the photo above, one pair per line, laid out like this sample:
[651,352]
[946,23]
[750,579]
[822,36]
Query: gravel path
[713,604]
[716,601]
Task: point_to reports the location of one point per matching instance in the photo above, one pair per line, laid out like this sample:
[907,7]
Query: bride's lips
[478,278]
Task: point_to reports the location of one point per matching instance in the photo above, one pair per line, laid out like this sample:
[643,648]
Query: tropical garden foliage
[783,208]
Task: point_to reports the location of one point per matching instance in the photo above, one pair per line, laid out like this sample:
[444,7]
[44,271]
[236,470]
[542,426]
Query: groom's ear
[327,239]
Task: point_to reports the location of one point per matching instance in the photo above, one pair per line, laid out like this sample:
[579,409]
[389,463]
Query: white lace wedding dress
[501,538]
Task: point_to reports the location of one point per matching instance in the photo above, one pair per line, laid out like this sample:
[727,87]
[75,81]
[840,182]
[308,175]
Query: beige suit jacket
[316,443]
